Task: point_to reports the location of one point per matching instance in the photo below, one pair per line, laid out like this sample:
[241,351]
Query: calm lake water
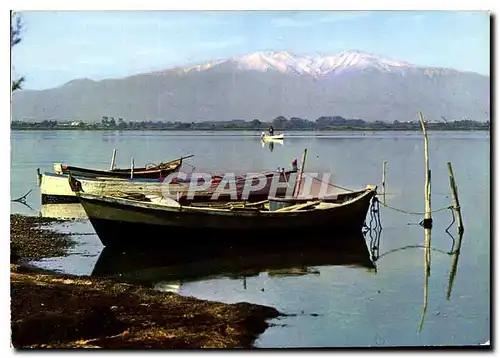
[334,302]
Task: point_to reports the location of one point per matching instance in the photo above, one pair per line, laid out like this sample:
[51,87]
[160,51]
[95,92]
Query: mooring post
[384,172]
[454,195]
[296,191]
[427,223]
[113,157]
[427,186]
[132,168]
[38,177]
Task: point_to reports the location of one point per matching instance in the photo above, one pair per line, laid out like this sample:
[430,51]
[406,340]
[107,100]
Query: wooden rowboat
[122,221]
[149,171]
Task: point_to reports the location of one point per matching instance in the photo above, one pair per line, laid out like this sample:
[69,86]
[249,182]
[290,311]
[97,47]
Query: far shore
[252,130]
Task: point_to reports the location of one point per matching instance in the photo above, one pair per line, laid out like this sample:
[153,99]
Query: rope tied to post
[328,183]
[416,213]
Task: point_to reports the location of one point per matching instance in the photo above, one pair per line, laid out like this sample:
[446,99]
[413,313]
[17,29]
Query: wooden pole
[384,172]
[38,177]
[427,223]
[427,186]
[299,175]
[132,168]
[456,203]
[112,166]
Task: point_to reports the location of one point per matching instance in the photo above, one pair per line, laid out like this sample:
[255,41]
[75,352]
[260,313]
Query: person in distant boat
[271,130]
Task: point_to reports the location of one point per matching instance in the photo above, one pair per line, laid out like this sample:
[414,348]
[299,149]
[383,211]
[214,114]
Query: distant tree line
[279,124]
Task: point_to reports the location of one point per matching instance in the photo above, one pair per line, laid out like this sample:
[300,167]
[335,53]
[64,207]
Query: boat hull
[278,137]
[122,222]
[55,188]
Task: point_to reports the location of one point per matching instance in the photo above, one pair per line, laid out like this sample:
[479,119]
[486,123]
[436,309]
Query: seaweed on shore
[53,310]
[29,240]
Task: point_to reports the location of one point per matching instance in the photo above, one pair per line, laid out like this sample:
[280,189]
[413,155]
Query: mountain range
[264,85]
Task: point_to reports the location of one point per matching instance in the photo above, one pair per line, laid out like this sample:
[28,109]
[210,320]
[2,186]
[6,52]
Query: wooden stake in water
[384,172]
[427,186]
[112,166]
[298,182]
[454,195]
[132,168]
[427,223]
[38,177]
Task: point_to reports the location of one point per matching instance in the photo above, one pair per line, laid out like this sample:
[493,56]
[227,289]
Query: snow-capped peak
[314,65]
[318,65]
[362,60]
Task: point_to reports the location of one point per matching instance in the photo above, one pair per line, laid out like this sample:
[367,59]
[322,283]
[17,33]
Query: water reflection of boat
[271,143]
[293,271]
[62,211]
[298,255]
[167,286]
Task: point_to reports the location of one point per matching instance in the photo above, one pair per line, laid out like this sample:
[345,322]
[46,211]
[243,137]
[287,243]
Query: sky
[58,47]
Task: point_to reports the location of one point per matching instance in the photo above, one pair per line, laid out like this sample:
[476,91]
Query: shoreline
[54,310]
[222,130]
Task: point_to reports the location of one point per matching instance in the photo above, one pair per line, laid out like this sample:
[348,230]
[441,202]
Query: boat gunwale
[159,180]
[142,170]
[104,179]
[131,203]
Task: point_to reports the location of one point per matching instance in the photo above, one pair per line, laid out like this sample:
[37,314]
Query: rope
[448,230]
[329,184]
[22,199]
[374,229]
[413,247]
[415,213]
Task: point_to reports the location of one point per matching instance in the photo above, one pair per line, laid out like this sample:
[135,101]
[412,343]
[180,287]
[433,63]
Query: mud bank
[50,310]
[30,239]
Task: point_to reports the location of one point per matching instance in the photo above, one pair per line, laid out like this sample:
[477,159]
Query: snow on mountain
[318,65]
[314,65]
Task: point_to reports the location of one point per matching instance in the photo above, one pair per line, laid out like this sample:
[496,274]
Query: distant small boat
[278,137]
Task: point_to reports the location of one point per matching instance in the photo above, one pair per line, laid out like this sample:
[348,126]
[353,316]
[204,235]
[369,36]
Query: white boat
[55,188]
[277,137]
